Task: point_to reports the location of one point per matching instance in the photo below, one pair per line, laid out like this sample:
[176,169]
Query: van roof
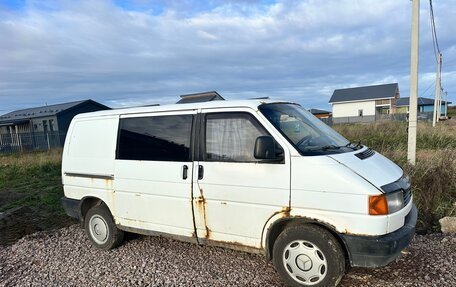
[254,103]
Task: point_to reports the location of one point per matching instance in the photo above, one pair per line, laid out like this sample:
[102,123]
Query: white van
[260,176]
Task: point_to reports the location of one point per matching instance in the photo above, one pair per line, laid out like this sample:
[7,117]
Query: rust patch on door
[200,203]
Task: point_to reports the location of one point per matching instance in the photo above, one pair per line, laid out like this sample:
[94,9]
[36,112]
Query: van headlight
[386,203]
[395,201]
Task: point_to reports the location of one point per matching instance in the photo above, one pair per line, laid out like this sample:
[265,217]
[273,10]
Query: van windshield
[308,134]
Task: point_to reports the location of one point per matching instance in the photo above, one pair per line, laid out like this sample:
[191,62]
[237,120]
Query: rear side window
[160,138]
[231,137]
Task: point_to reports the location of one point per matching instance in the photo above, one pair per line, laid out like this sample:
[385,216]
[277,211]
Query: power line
[435,41]
[431,85]
[438,58]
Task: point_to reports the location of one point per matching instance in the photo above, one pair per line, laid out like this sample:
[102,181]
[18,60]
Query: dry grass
[434,187]
[392,136]
[452,111]
[53,156]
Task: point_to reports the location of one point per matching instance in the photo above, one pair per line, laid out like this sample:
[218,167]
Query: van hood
[373,167]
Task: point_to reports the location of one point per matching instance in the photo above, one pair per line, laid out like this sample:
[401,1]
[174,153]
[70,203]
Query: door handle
[184,172]
[200,172]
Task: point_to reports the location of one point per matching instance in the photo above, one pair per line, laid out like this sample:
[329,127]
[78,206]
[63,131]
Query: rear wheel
[308,255]
[100,228]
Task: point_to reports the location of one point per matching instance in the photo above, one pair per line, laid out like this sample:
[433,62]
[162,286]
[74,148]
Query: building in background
[321,114]
[41,127]
[370,101]
[424,105]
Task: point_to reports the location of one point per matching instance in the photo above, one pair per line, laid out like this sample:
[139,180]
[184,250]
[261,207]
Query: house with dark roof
[365,101]
[41,127]
[424,105]
[321,114]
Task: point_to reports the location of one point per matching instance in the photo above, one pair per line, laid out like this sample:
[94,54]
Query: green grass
[32,183]
[34,178]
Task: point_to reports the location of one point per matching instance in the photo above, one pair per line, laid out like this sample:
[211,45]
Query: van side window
[231,137]
[160,138]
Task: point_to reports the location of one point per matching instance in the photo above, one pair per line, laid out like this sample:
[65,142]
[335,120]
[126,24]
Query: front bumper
[376,251]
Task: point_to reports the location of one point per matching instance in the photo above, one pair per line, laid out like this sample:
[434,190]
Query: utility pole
[446,104]
[413,109]
[439,108]
[437,91]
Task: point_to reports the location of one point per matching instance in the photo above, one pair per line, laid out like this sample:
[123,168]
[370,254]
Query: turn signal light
[378,205]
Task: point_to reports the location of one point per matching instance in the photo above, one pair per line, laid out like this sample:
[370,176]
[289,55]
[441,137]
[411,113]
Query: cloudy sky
[126,53]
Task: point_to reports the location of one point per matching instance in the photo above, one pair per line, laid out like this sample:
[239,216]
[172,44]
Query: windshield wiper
[330,147]
[354,146]
[326,147]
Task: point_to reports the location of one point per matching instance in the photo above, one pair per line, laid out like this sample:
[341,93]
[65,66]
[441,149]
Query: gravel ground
[65,257]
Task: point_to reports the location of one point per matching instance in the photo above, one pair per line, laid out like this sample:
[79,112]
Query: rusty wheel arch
[277,227]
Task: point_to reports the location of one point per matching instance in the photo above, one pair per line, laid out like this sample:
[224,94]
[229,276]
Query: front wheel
[100,228]
[307,255]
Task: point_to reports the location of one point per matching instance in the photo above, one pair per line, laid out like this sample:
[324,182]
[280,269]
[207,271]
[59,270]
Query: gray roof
[401,102]
[364,93]
[200,97]
[43,111]
[318,112]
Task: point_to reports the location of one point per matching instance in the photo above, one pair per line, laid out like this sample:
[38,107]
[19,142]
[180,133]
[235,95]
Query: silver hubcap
[305,262]
[98,229]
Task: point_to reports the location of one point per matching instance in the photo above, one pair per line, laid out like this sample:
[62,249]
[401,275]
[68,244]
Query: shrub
[434,188]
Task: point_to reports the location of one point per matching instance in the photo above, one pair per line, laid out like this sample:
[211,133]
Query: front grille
[407,196]
[365,154]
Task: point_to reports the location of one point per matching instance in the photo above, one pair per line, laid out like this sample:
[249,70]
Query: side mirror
[265,148]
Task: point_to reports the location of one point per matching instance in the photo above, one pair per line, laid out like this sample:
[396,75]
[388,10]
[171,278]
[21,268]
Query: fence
[422,116]
[30,141]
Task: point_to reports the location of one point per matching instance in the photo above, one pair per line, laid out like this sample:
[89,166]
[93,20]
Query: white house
[365,101]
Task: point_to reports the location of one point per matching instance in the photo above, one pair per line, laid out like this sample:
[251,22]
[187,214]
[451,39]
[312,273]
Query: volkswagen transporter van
[259,176]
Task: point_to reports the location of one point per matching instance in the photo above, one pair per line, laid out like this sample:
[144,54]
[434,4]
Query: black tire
[306,253]
[100,228]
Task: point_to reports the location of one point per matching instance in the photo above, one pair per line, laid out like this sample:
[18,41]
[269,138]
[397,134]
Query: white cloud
[298,50]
